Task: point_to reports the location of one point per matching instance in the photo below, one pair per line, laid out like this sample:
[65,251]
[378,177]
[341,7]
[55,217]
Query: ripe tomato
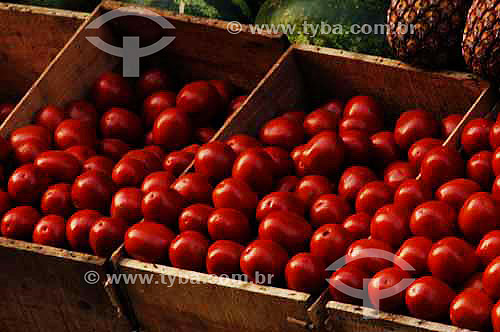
[19,222]
[471,310]
[58,165]
[50,117]
[214,160]
[479,215]
[452,260]
[27,152]
[476,135]
[434,220]
[148,241]
[199,98]
[364,107]
[83,111]
[154,79]
[418,150]
[456,192]
[121,124]
[359,254]
[359,124]
[449,123]
[163,206]
[358,225]
[295,115]
[476,281]
[225,89]
[193,149]
[31,133]
[287,229]
[263,261]
[323,154]
[495,317]
[92,190]
[329,209]
[358,147]
[414,251]
[113,148]
[429,298]
[195,218]
[440,165]
[398,172]
[411,193]
[241,143]
[57,200]
[194,187]
[229,224]
[311,187]
[106,235]
[81,152]
[373,196]
[287,184]
[74,132]
[320,120]
[172,129]
[495,162]
[491,279]
[390,224]
[330,242]
[126,204]
[150,160]
[282,132]
[351,276]
[156,151]
[177,162]
[78,229]
[495,135]
[111,89]
[223,258]
[27,184]
[101,164]
[279,201]
[155,104]
[336,106]
[352,180]
[236,194]
[204,135]
[489,247]
[479,169]
[389,278]
[283,164]
[255,167]
[128,172]
[188,251]
[305,273]
[384,147]
[50,231]
[157,181]
[414,125]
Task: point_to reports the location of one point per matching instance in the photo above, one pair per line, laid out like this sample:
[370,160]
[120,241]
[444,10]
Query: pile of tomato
[311,190]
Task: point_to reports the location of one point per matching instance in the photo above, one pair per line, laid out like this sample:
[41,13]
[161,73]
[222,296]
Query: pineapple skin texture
[481,39]
[437,31]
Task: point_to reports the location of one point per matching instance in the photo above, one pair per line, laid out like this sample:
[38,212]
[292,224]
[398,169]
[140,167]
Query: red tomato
[283,164]
[449,123]
[255,167]
[414,251]
[359,253]
[19,222]
[225,89]
[78,228]
[5,202]
[440,165]
[121,124]
[151,162]
[126,204]
[289,230]
[358,147]
[111,89]
[336,106]
[479,215]
[204,135]
[157,181]
[495,317]
[329,209]
[5,110]
[172,129]
[241,143]
[305,273]
[154,79]
[83,111]
[279,201]
[193,149]
[81,152]
[414,125]
[429,298]
[50,231]
[282,132]
[195,218]
[491,279]
[323,154]
[27,184]
[391,225]
[215,160]
[398,172]
[495,136]
[320,120]
[476,135]
[384,147]
[58,165]
[229,224]
[358,225]
[476,281]
[359,124]
[364,107]
[163,206]
[100,164]
[106,235]
[128,172]
[223,258]
[489,247]
[57,200]
[177,162]
[194,187]
[148,241]
[263,261]
[288,184]
[113,148]
[296,156]
[351,276]
[92,190]
[411,193]
[156,151]
[236,194]
[352,180]
[418,150]
[456,192]
[27,152]
[389,278]
[373,196]
[298,116]
[434,220]
[199,98]
[330,242]
[155,104]
[74,132]
[31,133]
[471,310]
[311,187]
[50,117]
[236,104]
[452,260]
[495,162]
[479,169]
[188,251]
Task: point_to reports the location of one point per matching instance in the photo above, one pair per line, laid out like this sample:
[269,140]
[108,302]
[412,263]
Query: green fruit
[339,15]
[76,5]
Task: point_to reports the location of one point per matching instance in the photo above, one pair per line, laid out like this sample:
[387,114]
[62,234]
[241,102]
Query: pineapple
[427,32]
[481,40]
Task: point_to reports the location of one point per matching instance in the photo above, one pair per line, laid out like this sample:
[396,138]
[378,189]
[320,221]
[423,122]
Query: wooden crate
[46,290]
[304,76]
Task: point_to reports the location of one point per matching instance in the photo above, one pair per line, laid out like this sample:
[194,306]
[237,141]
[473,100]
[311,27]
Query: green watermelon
[76,5]
[340,15]
[228,10]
